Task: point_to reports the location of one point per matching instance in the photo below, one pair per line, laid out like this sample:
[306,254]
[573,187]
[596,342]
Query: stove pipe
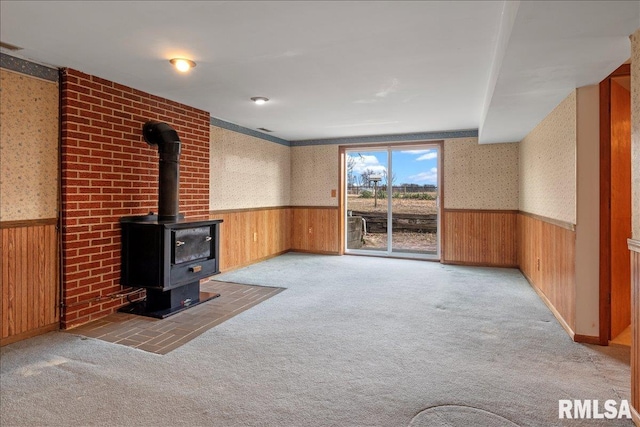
[166,138]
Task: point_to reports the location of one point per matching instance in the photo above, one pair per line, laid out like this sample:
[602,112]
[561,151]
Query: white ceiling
[340,69]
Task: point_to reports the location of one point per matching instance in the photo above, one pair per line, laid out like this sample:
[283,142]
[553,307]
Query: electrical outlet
[333,193]
[255,237]
[310,230]
[538,264]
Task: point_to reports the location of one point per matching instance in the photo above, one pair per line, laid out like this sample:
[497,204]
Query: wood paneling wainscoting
[479,237]
[634,247]
[315,229]
[251,235]
[29,282]
[546,255]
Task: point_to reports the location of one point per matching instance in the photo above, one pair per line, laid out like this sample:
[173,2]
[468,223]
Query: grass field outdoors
[400,206]
[407,241]
[410,242]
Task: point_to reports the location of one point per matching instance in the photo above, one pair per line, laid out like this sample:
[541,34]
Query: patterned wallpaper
[314,173]
[480,176]
[247,172]
[548,165]
[635,131]
[28,147]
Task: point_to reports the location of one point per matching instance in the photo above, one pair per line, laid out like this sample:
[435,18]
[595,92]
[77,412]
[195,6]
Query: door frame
[605,205]
[342,149]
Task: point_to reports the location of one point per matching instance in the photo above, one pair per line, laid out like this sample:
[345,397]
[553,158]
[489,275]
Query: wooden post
[375,194]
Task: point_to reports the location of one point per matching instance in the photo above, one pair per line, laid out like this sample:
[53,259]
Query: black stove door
[191,244]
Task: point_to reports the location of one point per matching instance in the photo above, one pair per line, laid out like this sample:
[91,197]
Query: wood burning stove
[165,253]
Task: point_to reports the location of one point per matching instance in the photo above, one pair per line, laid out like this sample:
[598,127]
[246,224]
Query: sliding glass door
[366,204]
[392,201]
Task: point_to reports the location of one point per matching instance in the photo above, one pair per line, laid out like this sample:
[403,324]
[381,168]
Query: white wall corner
[588,211]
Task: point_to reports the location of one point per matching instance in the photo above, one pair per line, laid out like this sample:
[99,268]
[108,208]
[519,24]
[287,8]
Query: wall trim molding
[305,251]
[29,334]
[240,210]
[634,245]
[500,211]
[587,339]
[553,310]
[28,223]
[563,224]
[635,416]
[266,208]
[390,138]
[246,131]
[313,207]
[478,264]
[29,68]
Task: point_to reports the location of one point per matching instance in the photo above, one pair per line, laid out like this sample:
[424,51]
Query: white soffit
[553,47]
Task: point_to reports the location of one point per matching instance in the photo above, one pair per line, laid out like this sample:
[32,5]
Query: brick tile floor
[160,336]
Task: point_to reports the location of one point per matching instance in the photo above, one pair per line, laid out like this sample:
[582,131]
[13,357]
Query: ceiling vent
[265,130]
[10,46]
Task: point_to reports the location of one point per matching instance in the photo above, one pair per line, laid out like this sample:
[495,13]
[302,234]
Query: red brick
[102,110]
[101,139]
[111,262]
[89,235]
[103,82]
[90,310]
[116,303]
[89,281]
[121,103]
[77,291]
[112,133]
[100,271]
[105,169]
[84,97]
[109,172]
[100,256]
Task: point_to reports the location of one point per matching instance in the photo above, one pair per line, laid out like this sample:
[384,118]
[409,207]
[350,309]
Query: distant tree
[385,179]
[365,176]
[351,177]
[357,179]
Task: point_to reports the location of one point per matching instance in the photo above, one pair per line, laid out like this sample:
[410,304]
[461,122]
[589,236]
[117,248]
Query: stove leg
[175,298]
[161,304]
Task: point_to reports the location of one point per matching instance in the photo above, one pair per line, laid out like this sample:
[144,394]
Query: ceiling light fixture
[259,99]
[183,65]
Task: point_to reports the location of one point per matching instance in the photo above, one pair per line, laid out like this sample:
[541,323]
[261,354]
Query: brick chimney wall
[109,171]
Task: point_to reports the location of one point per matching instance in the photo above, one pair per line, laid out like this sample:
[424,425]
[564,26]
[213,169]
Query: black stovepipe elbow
[162,135]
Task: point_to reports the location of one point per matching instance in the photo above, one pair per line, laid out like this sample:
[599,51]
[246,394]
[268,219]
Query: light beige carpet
[353,341]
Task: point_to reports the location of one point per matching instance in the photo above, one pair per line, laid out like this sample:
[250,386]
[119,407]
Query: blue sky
[409,166]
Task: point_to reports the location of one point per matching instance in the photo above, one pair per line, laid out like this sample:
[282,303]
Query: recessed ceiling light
[183,65]
[259,99]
